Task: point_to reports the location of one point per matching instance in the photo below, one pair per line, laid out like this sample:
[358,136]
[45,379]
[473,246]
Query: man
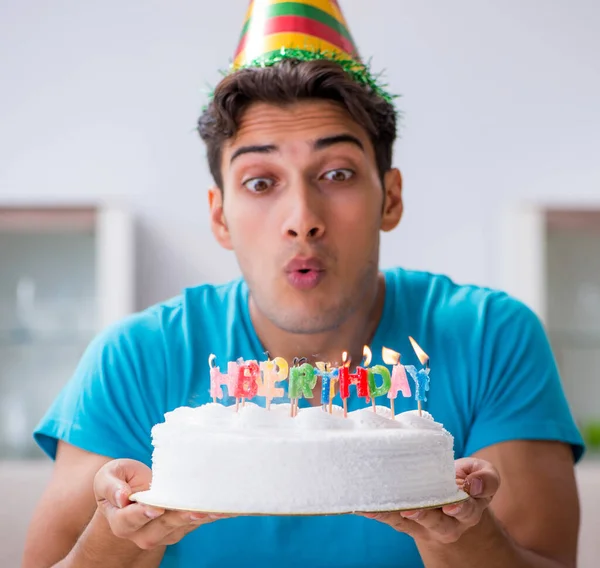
[300,147]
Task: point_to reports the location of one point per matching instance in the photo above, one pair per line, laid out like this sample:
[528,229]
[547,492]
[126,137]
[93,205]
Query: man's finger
[112,489]
[118,479]
[395,520]
[433,520]
[159,532]
[482,484]
[125,522]
[468,512]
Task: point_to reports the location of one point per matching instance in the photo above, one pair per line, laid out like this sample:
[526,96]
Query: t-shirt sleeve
[521,395]
[108,406]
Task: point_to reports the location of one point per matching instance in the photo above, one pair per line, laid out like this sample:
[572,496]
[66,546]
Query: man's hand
[478,478]
[147,527]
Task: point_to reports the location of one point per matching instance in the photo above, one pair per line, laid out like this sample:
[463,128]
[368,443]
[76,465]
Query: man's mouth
[305,273]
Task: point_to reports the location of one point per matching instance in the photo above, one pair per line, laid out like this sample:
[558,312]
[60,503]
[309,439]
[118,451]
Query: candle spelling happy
[272,372]
[219,379]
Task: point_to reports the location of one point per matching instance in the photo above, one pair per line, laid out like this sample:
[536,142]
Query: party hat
[309,25]
[306,30]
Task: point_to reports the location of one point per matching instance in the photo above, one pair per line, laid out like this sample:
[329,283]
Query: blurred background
[103,206]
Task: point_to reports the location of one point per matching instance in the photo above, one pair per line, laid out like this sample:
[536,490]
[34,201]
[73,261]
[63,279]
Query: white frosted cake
[259,461]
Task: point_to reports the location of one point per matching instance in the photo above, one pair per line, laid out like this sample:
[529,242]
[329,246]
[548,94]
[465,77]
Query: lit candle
[382,389]
[301,382]
[399,380]
[272,372]
[217,379]
[421,377]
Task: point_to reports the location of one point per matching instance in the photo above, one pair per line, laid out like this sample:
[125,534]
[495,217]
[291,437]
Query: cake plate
[146,498]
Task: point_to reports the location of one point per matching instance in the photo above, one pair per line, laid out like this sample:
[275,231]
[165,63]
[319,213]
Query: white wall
[501,99]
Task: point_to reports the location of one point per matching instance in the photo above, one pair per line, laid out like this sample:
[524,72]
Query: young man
[300,148]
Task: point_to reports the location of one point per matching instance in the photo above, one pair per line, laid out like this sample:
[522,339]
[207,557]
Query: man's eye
[258,185]
[339,175]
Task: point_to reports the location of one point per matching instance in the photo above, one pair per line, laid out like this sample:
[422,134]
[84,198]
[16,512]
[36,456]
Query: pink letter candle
[399,380]
[217,379]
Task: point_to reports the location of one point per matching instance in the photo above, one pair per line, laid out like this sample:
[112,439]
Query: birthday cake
[258,461]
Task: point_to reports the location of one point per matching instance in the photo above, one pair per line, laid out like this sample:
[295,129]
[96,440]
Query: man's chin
[306,321]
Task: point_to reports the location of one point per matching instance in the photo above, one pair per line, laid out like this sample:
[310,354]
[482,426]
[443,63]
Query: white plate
[147,498]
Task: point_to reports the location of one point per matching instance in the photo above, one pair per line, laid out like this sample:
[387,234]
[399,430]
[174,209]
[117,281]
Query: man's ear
[218,224]
[392,205]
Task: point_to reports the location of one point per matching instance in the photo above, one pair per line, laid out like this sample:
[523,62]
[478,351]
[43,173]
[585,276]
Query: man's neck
[358,330]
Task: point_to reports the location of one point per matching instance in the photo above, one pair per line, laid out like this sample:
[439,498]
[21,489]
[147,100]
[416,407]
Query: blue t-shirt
[493,378]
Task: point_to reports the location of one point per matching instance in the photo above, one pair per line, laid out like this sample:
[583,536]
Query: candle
[359,379]
[399,380]
[217,379]
[272,372]
[301,382]
[246,383]
[420,377]
[382,389]
[328,378]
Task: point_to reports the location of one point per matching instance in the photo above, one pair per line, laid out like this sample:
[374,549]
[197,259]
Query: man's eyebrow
[256,149]
[329,141]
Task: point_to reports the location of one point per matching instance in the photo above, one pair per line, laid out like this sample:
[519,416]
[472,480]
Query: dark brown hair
[288,82]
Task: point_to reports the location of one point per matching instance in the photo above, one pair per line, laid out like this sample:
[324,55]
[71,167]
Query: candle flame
[211,360]
[321,366]
[345,360]
[367,356]
[423,357]
[389,356]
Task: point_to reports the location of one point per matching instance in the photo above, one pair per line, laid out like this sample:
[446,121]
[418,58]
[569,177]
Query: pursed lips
[305,273]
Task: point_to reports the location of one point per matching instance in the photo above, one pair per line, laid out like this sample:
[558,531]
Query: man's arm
[65,510]
[93,524]
[532,521]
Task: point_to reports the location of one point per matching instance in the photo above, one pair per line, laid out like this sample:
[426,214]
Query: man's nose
[304,219]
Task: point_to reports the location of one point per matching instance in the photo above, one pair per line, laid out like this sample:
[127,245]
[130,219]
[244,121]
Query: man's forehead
[303,121]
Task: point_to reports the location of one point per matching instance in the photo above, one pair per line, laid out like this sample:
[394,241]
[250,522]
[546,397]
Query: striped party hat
[275,30]
[311,25]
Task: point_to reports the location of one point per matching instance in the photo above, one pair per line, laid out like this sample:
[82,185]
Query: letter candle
[386,382]
[328,378]
[245,385]
[367,356]
[301,382]
[399,380]
[343,377]
[217,378]
[421,377]
[272,372]
[359,379]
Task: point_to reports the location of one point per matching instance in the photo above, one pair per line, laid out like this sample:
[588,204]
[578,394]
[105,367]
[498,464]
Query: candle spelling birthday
[399,380]
[245,380]
[420,377]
